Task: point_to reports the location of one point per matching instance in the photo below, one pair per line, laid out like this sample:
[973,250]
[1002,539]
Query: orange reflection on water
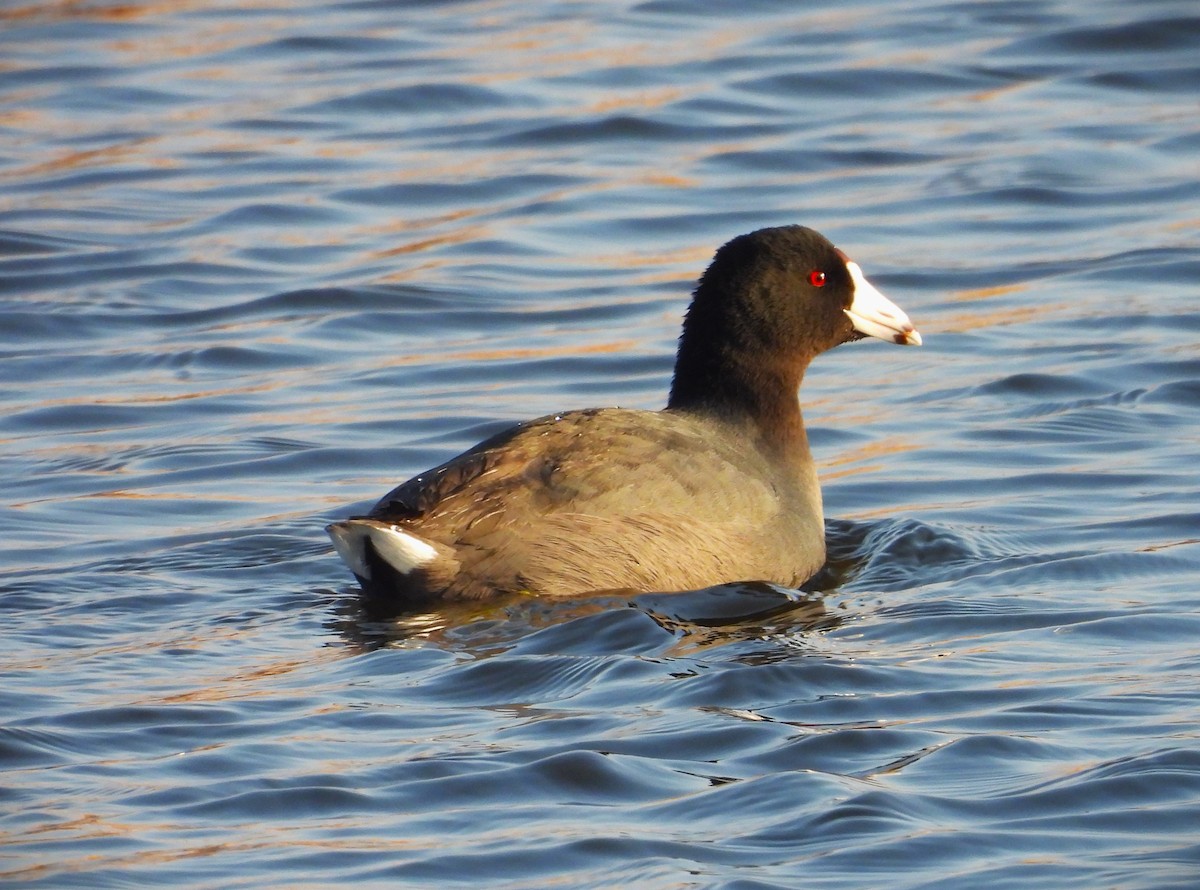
[79,9]
[868,458]
[462,235]
[637,99]
[241,686]
[510,354]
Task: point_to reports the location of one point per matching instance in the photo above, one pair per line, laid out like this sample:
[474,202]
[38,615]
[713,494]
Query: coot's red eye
[816,278]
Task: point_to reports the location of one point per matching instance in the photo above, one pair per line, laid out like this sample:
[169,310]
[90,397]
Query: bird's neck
[745,387]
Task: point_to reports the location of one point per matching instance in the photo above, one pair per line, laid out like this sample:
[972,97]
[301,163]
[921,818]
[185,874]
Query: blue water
[261,261]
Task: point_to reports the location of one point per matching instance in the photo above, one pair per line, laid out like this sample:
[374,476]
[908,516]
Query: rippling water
[258,262]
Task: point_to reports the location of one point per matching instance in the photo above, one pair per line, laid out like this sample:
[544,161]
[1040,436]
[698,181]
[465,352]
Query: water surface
[261,261]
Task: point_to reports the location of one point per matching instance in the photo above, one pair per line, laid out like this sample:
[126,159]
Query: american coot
[719,486]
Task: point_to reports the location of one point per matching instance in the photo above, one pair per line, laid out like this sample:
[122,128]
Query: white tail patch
[400,550]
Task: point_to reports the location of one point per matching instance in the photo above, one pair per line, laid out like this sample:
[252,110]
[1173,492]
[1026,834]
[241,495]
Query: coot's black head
[769,302]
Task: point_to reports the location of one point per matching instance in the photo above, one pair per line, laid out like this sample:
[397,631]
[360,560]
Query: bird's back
[614,498]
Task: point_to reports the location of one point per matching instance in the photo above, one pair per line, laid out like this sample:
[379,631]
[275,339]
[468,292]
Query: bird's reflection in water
[678,622]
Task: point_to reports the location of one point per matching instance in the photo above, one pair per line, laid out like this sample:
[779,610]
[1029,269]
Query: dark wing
[422,493]
[609,462]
